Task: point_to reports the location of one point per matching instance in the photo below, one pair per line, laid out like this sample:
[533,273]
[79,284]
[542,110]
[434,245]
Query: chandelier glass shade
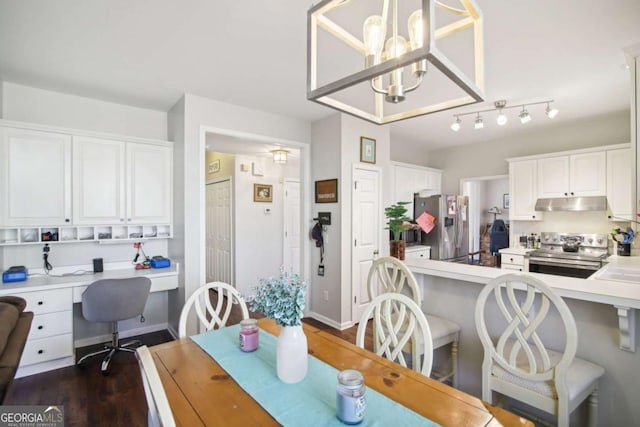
[382,60]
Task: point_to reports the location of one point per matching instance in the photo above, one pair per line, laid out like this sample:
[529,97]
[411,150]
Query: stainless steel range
[569,254]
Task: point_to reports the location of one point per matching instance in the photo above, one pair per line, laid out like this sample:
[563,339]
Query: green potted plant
[397,222]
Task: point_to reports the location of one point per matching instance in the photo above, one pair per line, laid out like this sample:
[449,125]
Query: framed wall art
[327,191]
[262,192]
[367,150]
[214,166]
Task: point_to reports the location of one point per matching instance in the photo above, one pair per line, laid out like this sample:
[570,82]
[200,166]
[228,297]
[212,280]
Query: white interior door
[366,232]
[219,232]
[291,241]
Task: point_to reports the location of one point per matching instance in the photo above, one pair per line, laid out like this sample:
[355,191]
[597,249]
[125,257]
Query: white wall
[1,98]
[258,234]
[488,159]
[189,132]
[493,193]
[326,160]
[28,104]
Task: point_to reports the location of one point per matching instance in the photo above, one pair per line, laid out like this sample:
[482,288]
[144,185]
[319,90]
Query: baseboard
[173,332]
[330,322]
[37,368]
[83,342]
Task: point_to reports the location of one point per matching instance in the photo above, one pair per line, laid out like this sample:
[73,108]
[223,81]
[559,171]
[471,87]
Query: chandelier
[502,118]
[394,71]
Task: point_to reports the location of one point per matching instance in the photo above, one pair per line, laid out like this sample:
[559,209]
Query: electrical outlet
[326,295]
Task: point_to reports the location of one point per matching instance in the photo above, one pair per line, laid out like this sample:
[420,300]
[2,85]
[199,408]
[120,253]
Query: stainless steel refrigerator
[449,239]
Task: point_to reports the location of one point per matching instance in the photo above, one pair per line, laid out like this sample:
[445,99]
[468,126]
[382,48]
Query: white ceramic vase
[291,354]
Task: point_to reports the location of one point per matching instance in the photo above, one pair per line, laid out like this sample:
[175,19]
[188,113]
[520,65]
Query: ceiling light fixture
[383,78]
[280,156]
[502,118]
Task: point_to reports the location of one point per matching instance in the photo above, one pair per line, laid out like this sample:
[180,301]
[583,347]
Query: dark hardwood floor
[91,399]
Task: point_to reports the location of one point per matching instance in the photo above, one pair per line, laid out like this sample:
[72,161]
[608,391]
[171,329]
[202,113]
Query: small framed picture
[367,150]
[214,166]
[327,191]
[262,192]
[505,201]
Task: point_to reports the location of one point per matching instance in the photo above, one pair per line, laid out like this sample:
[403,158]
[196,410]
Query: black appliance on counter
[569,254]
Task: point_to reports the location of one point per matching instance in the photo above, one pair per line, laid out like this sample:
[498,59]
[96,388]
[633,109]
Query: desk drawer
[48,301]
[158,284]
[512,267]
[421,254]
[50,324]
[45,349]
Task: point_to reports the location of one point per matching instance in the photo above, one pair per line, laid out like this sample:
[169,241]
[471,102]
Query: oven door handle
[584,265]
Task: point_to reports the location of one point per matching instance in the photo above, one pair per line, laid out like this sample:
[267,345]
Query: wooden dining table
[201,393]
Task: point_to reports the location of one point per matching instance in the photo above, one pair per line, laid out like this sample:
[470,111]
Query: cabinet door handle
[121,219]
[533,216]
[511,259]
[40,327]
[572,193]
[67,220]
[40,351]
[40,302]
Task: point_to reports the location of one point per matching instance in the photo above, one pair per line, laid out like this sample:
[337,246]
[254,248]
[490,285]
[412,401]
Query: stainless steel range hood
[573,204]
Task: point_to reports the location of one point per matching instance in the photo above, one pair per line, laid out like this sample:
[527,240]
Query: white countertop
[44,282]
[515,251]
[614,292]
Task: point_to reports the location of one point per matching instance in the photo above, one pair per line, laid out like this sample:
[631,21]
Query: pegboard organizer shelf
[99,233]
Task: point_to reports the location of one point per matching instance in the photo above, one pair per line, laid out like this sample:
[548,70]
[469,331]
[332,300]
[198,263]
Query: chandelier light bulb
[396,46]
[551,112]
[416,34]
[455,126]
[502,119]
[524,116]
[479,123]
[374,32]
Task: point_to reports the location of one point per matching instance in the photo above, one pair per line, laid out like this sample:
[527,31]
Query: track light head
[502,119]
[455,126]
[524,116]
[479,123]
[551,112]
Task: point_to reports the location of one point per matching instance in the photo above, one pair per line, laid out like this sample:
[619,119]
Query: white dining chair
[160,414]
[389,274]
[210,316]
[518,364]
[399,322]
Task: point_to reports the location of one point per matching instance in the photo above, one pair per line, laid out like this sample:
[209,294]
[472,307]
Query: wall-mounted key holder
[324,218]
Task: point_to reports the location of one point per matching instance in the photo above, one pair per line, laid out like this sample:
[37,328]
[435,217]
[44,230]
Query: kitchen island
[604,311]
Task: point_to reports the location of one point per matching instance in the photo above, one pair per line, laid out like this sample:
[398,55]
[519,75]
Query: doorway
[264,233]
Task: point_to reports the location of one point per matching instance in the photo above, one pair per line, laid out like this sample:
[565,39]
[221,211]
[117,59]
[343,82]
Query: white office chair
[388,274]
[211,317]
[518,364]
[160,414]
[399,323]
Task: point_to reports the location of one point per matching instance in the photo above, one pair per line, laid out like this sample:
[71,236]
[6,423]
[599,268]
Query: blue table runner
[312,401]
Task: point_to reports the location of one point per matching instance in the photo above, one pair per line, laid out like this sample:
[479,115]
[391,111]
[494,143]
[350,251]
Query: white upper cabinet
[523,190]
[35,179]
[409,179]
[575,175]
[98,181]
[619,185]
[118,182]
[149,183]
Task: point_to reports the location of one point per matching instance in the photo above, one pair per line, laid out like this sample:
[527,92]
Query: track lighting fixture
[502,118]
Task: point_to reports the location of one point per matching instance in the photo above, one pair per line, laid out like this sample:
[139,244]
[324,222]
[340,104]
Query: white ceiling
[148,53]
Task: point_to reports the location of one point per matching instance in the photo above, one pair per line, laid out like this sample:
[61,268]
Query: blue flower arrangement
[280,298]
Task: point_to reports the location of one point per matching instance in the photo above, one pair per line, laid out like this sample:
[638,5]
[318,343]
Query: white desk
[51,339]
